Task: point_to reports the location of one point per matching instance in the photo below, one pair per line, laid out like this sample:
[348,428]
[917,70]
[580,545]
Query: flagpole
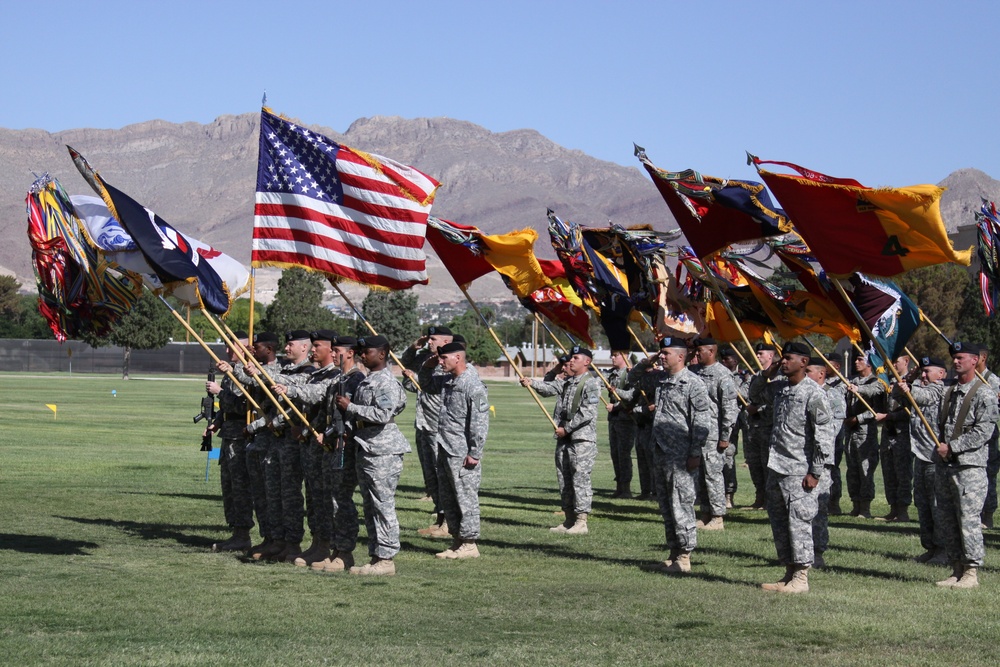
[503,349]
[882,352]
[839,374]
[563,348]
[370,327]
[714,286]
[205,346]
[924,317]
[232,341]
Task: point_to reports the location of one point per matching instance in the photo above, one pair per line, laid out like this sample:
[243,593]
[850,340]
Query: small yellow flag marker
[493,410]
[52,407]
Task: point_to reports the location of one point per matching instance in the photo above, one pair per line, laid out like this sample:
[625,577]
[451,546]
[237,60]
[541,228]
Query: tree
[298,304]
[392,314]
[939,291]
[19,316]
[480,348]
[147,326]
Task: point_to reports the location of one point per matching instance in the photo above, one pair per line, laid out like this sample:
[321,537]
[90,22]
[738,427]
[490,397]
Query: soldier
[816,371]
[312,397]
[575,416]
[381,446]
[801,448]
[993,462]
[927,394]
[462,429]
[640,391]
[229,422]
[839,405]
[968,417]
[722,403]
[681,423]
[894,452]
[621,427]
[756,450]
[414,358]
[862,436]
[741,381]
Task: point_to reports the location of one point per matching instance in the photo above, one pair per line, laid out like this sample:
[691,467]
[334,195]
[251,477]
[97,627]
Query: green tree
[298,304]
[19,316]
[392,314]
[940,292]
[148,326]
[480,348]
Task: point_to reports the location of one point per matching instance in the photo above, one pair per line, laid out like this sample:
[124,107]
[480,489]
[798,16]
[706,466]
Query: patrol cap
[266,337]
[438,331]
[817,361]
[297,334]
[800,349]
[365,342]
[763,347]
[240,335]
[928,362]
[707,340]
[580,349]
[323,334]
[448,348]
[345,341]
[673,341]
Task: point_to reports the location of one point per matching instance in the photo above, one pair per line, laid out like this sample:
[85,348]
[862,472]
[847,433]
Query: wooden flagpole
[838,374]
[923,316]
[714,286]
[563,348]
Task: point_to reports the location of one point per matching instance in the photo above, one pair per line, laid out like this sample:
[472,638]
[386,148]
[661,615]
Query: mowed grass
[107,524]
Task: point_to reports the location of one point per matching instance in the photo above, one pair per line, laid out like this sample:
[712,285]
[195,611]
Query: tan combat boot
[715,523]
[565,525]
[681,564]
[957,569]
[781,583]
[970,579]
[799,582]
[729,501]
[579,526]
[455,544]
[341,562]
[465,549]
[379,567]
[435,530]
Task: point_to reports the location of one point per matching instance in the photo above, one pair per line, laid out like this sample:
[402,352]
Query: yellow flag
[512,255]
[493,410]
[52,407]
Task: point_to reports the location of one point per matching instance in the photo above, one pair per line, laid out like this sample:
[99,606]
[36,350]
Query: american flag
[333,209]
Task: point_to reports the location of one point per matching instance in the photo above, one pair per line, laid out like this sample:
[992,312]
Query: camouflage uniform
[755,452]
[961,481]
[340,464]
[821,524]
[801,444]
[237,501]
[426,420]
[862,439]
[738,435]
[313,396]
[462,430]
[838,401]
[640,392]
[681,424]
[381,445]
[258,450]
[724,410]
[576,412]
[928,399]
[897,460]
[621,430]
[993,461]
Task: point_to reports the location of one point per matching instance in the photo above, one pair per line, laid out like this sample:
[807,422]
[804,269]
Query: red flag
[560,303]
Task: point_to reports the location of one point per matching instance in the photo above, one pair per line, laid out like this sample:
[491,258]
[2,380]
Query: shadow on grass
[214,497]
[154,531]
[45,544]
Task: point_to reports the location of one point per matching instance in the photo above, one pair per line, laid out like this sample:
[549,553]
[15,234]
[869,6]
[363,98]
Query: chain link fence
[50,356]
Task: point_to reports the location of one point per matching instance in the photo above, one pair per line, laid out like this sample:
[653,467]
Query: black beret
[927,362]
[345,341]
[580,349]
[240,334]
[265,337]
[448,348]
[959,347]
[438,331]
[458,338]
[800,349]
[762,347]
[563,358]
[365,342]
[817,361]
[727,352]
[833,356]
[708,340]
[297,334]
[669,341]
[323,334]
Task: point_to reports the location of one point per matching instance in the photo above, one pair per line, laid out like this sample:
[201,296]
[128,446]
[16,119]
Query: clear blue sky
[889,93]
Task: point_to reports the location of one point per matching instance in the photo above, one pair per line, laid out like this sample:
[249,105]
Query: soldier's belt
[234,416]
[360,423]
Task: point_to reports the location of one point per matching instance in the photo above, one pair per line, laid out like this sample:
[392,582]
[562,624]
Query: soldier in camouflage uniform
[801,448]
[724,410]
[927,393]
[681,424]
[640,393]
[862,436]
[894,452]
[968,417]
[229,422]
[741,381]
[462,430]
[414,358]
[755,451]
[993,462]
[621,427]
[312,396]
[381,446]
[816,371]
[837,388]
[575,416]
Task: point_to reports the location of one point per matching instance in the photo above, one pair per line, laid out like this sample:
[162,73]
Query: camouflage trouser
[961,492]
[711,485]
[992,468]
[925,501]
[574,462]
[675,490]
[237,501]
[459,489]
[729,466]
[427,454]
[319,499]
[621,440]
[644,457]
[836,486]
[862,462]
[379,476]
[821,524]
[791,510]
[897,468]
[258,450]
[289,509]
[342,481]
[756,451]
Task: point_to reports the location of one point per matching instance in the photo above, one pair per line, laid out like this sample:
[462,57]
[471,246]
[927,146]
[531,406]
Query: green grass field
[107,523]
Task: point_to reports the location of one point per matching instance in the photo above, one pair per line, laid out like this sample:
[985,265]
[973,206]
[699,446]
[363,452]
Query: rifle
[207,413]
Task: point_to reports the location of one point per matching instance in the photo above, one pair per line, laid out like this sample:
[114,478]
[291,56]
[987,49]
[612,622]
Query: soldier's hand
[560,432]
[651,407]
[319,437]
[224,367]
[903,387]
[470,462]
[693,462]
[611,406]
[343,402]
[524,382]
[251,370]
[723,445]
[852,421]
[408,373]
[944,451]
[880,417]
[420,342]
[213,388]
[280,389]
[809,482]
